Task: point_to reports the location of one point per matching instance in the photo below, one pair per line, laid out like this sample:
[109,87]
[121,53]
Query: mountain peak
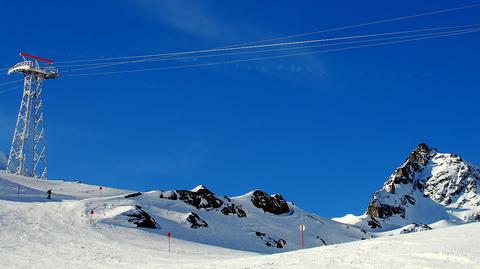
[199,187]
[421,154]
[428,185]
[423,147]
[414,164]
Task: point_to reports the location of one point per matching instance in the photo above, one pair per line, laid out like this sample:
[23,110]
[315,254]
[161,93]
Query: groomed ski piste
[61,232]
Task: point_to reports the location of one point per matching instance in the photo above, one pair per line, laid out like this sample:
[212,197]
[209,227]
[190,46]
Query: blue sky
[325,130]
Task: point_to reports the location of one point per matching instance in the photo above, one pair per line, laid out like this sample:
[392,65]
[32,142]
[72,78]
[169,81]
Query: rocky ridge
[429,186]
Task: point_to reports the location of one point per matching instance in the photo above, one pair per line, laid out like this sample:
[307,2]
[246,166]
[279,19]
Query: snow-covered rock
[199,197]
[140,218]
[412,228]
[428,187]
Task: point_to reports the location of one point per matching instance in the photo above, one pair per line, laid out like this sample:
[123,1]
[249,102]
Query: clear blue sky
[325,130]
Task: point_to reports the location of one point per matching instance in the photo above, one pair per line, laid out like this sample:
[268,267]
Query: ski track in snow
[58,233]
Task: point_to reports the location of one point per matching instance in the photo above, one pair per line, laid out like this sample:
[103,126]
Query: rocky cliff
[428,187]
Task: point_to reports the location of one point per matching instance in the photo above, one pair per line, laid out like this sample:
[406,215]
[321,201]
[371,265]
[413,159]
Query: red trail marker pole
[169,240]
[302,231]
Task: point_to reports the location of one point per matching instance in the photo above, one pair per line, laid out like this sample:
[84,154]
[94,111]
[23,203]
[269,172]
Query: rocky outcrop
[322,240]
[274,204]
[378,210]
[271,242]
[233,209]
[195,221]
[140,218]
[203,198]
[413,228]
[200,197]
[373,223]
[414,164]
[427,179]
[132,195]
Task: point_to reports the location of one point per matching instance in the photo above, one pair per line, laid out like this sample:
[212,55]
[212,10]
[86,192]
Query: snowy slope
[36,190]
[454,247]
[428,187]
[212,231]
[198,215]
[58,234]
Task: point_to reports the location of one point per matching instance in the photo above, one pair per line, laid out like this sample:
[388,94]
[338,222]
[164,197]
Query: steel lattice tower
[28,151]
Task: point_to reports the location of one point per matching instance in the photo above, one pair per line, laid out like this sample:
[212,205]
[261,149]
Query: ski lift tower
[28,151]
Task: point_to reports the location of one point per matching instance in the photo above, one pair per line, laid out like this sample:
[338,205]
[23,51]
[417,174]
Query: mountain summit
[428,187]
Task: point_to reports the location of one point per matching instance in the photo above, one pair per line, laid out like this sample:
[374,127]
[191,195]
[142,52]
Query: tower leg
[28,151]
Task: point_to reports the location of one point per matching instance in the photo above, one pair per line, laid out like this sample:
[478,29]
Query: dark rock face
[323,241]
[384,211]
[274,204]
[374,223]
[408,198]
[201,198]
[132,195]
[195,221]
[234,210]
[413,164]
[271,242]
[415,228]
[141,218]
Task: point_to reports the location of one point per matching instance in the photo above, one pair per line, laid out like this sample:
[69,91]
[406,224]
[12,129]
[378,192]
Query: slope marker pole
[169,241]
[302,240]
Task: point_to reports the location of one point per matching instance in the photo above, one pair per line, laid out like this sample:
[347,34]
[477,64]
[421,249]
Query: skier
[49,196]
[91,216]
